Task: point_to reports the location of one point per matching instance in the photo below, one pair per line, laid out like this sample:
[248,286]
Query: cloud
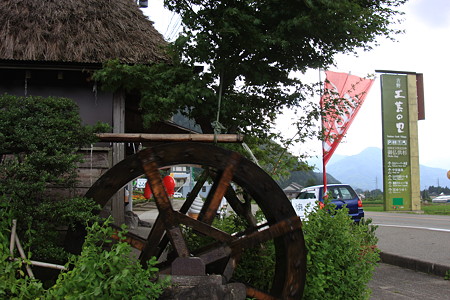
[434,13]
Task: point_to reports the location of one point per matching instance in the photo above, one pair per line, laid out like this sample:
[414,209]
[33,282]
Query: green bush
[341,255]
[260,258]
[13,282]
[39,139]
[98,273]
[47,222]
[106,274]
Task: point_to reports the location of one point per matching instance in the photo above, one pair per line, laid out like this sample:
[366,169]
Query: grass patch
[436,208]
[377,208]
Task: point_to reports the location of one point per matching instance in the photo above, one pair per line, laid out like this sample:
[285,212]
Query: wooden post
[151,137]
[117,209]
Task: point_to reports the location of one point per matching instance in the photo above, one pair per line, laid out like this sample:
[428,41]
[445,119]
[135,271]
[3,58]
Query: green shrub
[341,255]
[39,139]
[106,274]
[14,284]
[260,258]
[48,221]
[98,273]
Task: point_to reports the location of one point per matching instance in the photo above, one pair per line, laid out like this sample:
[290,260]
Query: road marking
[419,217]
[414,227]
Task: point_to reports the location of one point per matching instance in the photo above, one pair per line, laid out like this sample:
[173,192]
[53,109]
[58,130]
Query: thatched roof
[77,31]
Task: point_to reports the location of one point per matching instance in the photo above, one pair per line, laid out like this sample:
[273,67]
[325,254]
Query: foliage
[39,138]
[13,282]
[341,255]
[260,258]
[252,48]
[251,54]
[374,195]
[98,273]
[271,157]
[113,273]
[41,135]
[437,190]
[425,195]
[47,221]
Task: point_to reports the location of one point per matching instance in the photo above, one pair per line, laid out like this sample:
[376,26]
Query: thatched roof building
[51,48]
[77,31]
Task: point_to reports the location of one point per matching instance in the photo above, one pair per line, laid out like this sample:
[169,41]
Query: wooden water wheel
[232,176]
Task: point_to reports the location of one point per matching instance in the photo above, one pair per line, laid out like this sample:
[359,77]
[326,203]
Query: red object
[360,203]
[147,191]
[347,93]
[169,183]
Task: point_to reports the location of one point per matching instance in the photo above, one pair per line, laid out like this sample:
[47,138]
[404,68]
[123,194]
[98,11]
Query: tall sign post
[400,114]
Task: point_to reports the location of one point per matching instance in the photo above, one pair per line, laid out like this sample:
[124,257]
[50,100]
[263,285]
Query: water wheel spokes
[244,185]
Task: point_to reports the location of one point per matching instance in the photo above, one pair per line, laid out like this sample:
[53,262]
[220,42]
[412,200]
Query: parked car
[339,194]
[177,195]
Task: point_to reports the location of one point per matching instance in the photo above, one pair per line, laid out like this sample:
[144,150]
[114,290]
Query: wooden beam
[118,206]
[146,137]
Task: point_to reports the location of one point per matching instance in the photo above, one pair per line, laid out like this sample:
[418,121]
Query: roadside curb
[414,264]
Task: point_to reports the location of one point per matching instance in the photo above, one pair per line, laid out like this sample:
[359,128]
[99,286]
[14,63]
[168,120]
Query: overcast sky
[424,48]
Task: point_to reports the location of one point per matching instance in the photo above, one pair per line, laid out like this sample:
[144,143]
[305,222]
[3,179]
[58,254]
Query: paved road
[406,220]
[415,241]
[425,238]
[394,283]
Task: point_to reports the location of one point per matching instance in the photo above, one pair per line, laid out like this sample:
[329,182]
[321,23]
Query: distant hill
[305,178]
[317,161]
[365,171]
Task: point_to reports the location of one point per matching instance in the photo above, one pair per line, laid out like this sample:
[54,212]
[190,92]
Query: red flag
[344,94]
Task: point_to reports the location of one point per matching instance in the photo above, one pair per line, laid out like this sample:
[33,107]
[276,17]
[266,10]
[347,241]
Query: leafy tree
[436,190]
[39,138]
[425,195]
[251,52]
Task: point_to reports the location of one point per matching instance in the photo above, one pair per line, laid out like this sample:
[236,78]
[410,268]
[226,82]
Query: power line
[170,22]
[175,29]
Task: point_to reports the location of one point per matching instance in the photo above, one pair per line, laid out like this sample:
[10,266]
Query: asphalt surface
[415,256]
[415,241]
[390,282]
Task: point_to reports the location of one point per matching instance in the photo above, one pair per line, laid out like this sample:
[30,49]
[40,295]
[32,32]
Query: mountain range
[365,171]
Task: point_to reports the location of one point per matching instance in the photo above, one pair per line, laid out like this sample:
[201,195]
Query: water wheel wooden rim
[228,170]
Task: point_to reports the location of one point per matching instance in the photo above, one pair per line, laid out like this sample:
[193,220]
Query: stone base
[208,287]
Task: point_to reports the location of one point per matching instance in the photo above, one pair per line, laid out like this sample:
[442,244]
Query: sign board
[303,207]
[400,146]
[140,183]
